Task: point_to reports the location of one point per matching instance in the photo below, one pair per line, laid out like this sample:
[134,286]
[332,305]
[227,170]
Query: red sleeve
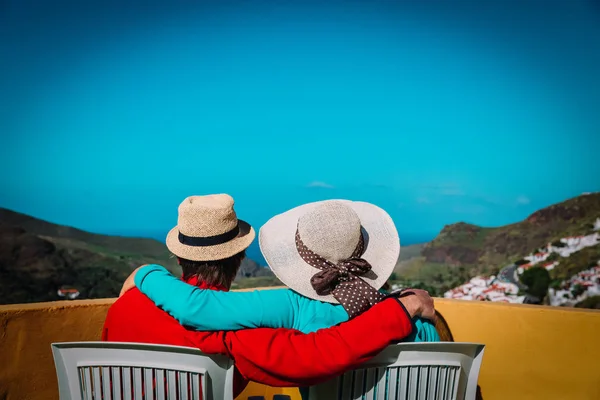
[285,357]
[104,337]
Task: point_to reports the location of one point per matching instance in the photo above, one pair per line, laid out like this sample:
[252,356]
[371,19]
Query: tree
[521,262]
[438,278]
[590,302]
[555,284]
[577,290]
[537,280]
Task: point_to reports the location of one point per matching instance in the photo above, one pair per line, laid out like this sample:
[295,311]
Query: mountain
[38,257]
[463,250]
[411,251]
[77,237]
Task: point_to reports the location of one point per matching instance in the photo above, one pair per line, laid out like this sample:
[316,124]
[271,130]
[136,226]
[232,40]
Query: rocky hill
[462,250]
[486,248]
[38,257]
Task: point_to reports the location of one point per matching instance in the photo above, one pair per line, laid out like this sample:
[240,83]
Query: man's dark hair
[216,273]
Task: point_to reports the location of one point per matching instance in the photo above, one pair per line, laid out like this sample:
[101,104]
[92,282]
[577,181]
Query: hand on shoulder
[418,303]
[130,281]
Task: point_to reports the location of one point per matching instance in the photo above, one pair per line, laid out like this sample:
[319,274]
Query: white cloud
[523,200]
[319,184]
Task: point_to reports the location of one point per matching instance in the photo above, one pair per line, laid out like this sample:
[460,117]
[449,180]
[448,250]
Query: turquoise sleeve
[318,315]
[208,310]
[426,331]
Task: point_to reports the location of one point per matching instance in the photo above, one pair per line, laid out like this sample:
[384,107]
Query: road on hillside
[509,274]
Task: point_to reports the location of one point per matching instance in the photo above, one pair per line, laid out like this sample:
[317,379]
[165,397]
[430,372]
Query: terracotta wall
[532,352]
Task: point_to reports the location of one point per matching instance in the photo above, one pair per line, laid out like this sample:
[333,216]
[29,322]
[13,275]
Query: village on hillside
[507,287]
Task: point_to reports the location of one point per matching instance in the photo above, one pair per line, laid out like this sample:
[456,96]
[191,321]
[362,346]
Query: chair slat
[106,383]
[423,382]
[171,385]
[116,383]
[432,383]
[183,385]
[87,381]
[149,383]
[414,383]
[160,384]
[358,387]
[137,383]
[195,386]
[370,384]
[393,384]
[126,379]
[347,388]
[454,384]
[96,382]
[381,389]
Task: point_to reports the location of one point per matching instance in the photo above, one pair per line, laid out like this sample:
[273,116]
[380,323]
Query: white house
[478,281]
[537,257]
[588,279]
[70,294]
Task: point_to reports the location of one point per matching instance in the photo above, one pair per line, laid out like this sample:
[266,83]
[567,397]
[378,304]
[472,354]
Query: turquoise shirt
[211,310]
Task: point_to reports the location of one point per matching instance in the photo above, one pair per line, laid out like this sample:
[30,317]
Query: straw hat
[332,230]
[208,229]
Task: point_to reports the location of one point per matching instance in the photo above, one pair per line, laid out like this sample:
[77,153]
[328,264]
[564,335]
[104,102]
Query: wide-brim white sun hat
[331,229]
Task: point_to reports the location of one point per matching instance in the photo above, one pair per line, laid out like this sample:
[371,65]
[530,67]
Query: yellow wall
[26,331]
[532,352]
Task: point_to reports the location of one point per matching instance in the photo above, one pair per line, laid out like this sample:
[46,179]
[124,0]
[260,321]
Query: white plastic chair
[410,371]
[132,371]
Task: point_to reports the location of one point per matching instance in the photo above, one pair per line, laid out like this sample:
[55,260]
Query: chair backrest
[407,371]
[128,371]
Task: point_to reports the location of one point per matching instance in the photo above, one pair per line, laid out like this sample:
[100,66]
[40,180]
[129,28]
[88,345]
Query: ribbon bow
[342,279]
[325,282]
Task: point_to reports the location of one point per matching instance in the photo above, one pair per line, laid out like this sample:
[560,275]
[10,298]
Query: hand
[418,303]
[130,281]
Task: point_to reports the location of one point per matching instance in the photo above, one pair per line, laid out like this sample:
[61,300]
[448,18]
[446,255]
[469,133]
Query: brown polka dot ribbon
[342,280]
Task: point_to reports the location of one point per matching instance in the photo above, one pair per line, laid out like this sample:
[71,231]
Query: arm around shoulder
[283,357]
[206,310]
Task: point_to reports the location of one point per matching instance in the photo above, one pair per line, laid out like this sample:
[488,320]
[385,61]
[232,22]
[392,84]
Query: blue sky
[439,111]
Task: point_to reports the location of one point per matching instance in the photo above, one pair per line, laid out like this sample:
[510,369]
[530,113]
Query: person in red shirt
[276,357]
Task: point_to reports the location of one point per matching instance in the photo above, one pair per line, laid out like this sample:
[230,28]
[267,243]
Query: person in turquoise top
[333,255]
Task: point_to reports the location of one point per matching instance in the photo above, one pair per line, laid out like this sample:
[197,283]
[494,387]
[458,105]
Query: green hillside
[69,236]
[38,257]
[464,250]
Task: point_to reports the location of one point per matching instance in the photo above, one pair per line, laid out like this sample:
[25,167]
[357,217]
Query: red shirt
[274,357]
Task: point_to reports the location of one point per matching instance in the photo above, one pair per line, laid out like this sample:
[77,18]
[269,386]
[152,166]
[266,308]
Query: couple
[333,255]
